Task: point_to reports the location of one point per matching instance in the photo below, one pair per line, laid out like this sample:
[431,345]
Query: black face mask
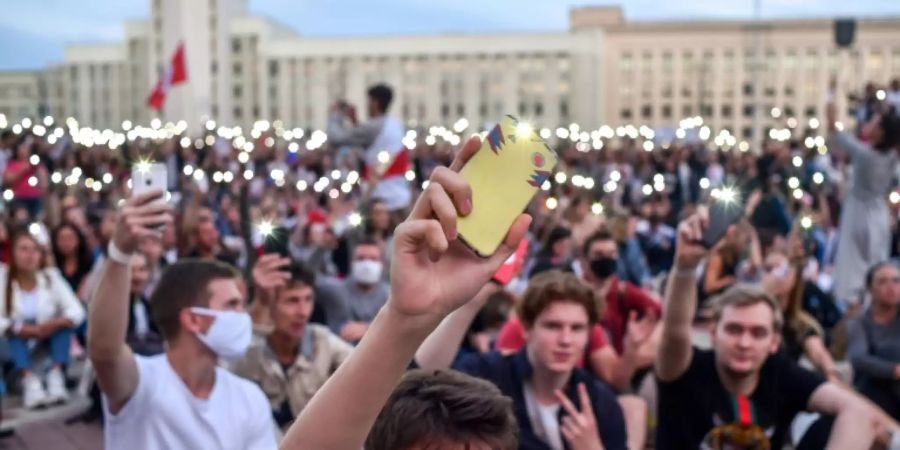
[603,267]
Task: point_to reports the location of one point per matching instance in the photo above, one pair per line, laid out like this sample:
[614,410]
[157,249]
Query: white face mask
[230,333]
[366,271]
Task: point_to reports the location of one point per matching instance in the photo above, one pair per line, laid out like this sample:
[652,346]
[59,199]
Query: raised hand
[579,428]
[269,276]
[141,216]
[689,250]
[432,272]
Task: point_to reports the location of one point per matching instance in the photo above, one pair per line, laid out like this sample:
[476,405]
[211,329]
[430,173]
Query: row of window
[707,110]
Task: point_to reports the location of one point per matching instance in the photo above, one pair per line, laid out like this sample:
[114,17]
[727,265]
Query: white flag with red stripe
[175,74]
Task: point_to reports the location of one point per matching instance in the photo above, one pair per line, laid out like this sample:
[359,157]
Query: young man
[297,357]
[387,159]
[179,399]
[433,274]
[361,296]
[742,392]
[557,311]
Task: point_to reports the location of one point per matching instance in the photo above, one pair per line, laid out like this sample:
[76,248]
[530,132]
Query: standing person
[387,159]
[864,233]
[743,392]
[182,398]
[38,307]
[874,341]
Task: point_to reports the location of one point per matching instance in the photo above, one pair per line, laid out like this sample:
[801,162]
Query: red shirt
[622,298]
[512,338]
[22,189]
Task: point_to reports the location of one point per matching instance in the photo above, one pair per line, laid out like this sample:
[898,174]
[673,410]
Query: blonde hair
[743,294]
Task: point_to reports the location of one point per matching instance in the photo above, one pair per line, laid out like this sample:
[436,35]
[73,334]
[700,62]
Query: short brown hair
[182,285]
[436,408]
[743,294]
[554,286]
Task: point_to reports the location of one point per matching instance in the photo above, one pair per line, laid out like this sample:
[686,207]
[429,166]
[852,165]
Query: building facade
[603,70]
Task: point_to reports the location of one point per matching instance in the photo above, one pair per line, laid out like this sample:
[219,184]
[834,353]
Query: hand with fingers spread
[141,216]
[433,273]
[689,251]
[579,428]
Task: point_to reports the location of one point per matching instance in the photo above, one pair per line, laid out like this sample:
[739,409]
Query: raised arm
[675,352]
[432,275]
[441,347]
[113,361]
[362,134]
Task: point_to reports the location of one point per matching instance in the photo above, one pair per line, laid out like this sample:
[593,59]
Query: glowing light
[546,133]
[460,125]
[199,174]
[32,181]
[248,174]
[546,186]
[335,174]
[293,147]
[227,177]
[354,219]
[551,203]
[334,194]
[26,123]
[524,129]
[142,166]
[410,175]
[814,123]
[577,180]
[188,170]
[8,195]
[588,183]
[793,183]
[301,185]
[384,157]
[185,142]
[597,209]
[704,183]
[792,122]
[776,112]
[728,195]
[34,160]
[34,229]
[265,228]
[818,178]
[806,222]
[880,95]
[210,140]
[648,146]
[243,157]
[798,194]
[647,190]
[895,197]
[562,133]
[352,177]
[126,125]
[346,188]
[560,177]
[56,178]
[797,161]
[155,124]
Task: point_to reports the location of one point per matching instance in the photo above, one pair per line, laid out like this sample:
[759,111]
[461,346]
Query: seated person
[39,307]
[874,341]
[743,393]
[361,296]
[296,357]
[143,336]
[557,312]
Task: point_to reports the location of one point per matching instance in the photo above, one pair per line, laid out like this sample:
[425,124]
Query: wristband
[117,255]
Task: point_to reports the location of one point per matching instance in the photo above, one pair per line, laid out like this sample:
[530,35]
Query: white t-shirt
[163,414]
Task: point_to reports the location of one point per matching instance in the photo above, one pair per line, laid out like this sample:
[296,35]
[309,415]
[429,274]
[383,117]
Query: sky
[34,33]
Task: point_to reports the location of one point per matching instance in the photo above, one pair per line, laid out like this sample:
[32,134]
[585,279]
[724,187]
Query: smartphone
[505,174]
[152,177]
[722,215]
[512,265]
[277,242]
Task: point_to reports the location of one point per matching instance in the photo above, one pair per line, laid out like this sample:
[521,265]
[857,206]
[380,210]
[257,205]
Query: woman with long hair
[37,308]
[73,256]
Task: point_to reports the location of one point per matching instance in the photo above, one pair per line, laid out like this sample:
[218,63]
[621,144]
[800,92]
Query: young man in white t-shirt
[181,399]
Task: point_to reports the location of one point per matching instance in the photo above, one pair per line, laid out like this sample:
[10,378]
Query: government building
[603,70]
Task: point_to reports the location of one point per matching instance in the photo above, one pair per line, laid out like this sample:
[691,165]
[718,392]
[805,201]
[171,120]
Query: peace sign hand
[579,428]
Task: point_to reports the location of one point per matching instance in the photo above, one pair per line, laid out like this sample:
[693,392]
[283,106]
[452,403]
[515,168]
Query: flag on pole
[175,74]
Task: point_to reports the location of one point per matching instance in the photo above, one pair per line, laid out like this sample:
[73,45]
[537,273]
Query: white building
[603,70]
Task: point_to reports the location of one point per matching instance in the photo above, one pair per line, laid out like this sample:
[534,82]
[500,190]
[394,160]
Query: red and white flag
[175,74]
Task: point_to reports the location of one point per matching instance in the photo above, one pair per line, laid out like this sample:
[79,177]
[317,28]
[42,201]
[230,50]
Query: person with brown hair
[744,392]
[181,398]
[473,414]
[557,312]
[39,306]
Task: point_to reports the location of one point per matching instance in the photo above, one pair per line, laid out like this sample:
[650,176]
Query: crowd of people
[310,291]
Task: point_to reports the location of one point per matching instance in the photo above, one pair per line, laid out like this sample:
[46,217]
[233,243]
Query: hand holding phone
[724,212]
[149,177]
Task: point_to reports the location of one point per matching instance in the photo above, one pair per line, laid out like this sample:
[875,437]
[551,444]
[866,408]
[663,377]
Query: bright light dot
[430,140]
[188,170]
[880,95]
[577,180]
[588,183]
[814,123]
[248,147]
[546,186]
[107,178]
[17,129]
[704,183]
[680,133]
[560,177]
[798,194]
[185,142]
[142,166]
[792,122]
[346,188]
[524,129]
[806,222]
[352,177]
[34,160]
[744,146]
[776,112]
[647,189]
[265,228]
[610,186]
[562,133]
[227,177]
[277,174]
[243,157]
[199,174]
[727,195]
[818,178]
[217,177]
[26,123]
[56,178]
[8,195]
[793,183]
[410,175]
[302,185]
[210,140]
[270,141]
[895,197]
[597,209]
[551,203]
[334,194]
[126,125]
[798,161]
[384,157]
[32,181]
[155,124]
[248,174]
[648,146]
[335,174]
[615,175]
[293,147]
[546,133]
[354,219]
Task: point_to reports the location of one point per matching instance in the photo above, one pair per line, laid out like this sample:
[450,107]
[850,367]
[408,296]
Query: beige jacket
[320,354]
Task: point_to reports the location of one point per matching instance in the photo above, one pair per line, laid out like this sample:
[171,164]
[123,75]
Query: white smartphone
[149,177]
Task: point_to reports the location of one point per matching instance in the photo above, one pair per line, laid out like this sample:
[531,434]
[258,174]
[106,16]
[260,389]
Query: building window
[238,113]
[666,111]
[563,110]
[789,111]
[789,91]
[687,111]
[237,69]
[748,110]
[810,111]
[255,111]
[646,111]
[236,45]
[522,108]
[483,109]
[748,132]
[445,111]
[706,110]
[273,68]
[539,109]
[213,67]
[726,110]
[237,91]
[748,88]
[625,114]
[770,91]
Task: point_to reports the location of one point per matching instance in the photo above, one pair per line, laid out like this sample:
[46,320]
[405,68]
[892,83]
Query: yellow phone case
[507,171]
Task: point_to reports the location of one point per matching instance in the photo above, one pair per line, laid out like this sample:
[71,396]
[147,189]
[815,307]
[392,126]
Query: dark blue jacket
[509,374]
